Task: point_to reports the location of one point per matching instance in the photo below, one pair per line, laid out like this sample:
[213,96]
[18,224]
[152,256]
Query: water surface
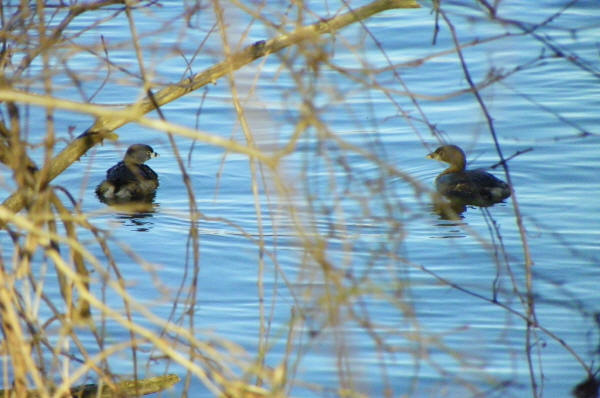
[427,283]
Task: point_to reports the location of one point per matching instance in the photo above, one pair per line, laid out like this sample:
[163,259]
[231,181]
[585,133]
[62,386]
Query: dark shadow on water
[589,388]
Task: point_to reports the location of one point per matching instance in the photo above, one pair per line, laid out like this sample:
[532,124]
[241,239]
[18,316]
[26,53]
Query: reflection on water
[448,210]
[139,215]
[454,209]
[452,230]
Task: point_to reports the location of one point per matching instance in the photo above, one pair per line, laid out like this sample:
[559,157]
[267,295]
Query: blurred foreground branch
[104,125]
[124,388]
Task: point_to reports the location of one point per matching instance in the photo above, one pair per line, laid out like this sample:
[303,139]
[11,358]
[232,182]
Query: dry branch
[121,389]
[105,125]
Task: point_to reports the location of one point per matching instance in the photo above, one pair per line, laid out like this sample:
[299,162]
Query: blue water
[424,285]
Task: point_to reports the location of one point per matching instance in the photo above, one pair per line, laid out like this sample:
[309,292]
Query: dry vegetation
[45,222]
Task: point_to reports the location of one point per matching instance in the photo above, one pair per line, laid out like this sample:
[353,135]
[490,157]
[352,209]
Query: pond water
[424,285]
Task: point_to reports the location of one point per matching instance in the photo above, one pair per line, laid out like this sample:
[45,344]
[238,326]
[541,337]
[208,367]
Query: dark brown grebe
[471,187]
[130,179]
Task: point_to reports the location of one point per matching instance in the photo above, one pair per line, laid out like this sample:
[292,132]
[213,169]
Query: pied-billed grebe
[130,179]
[471,187]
